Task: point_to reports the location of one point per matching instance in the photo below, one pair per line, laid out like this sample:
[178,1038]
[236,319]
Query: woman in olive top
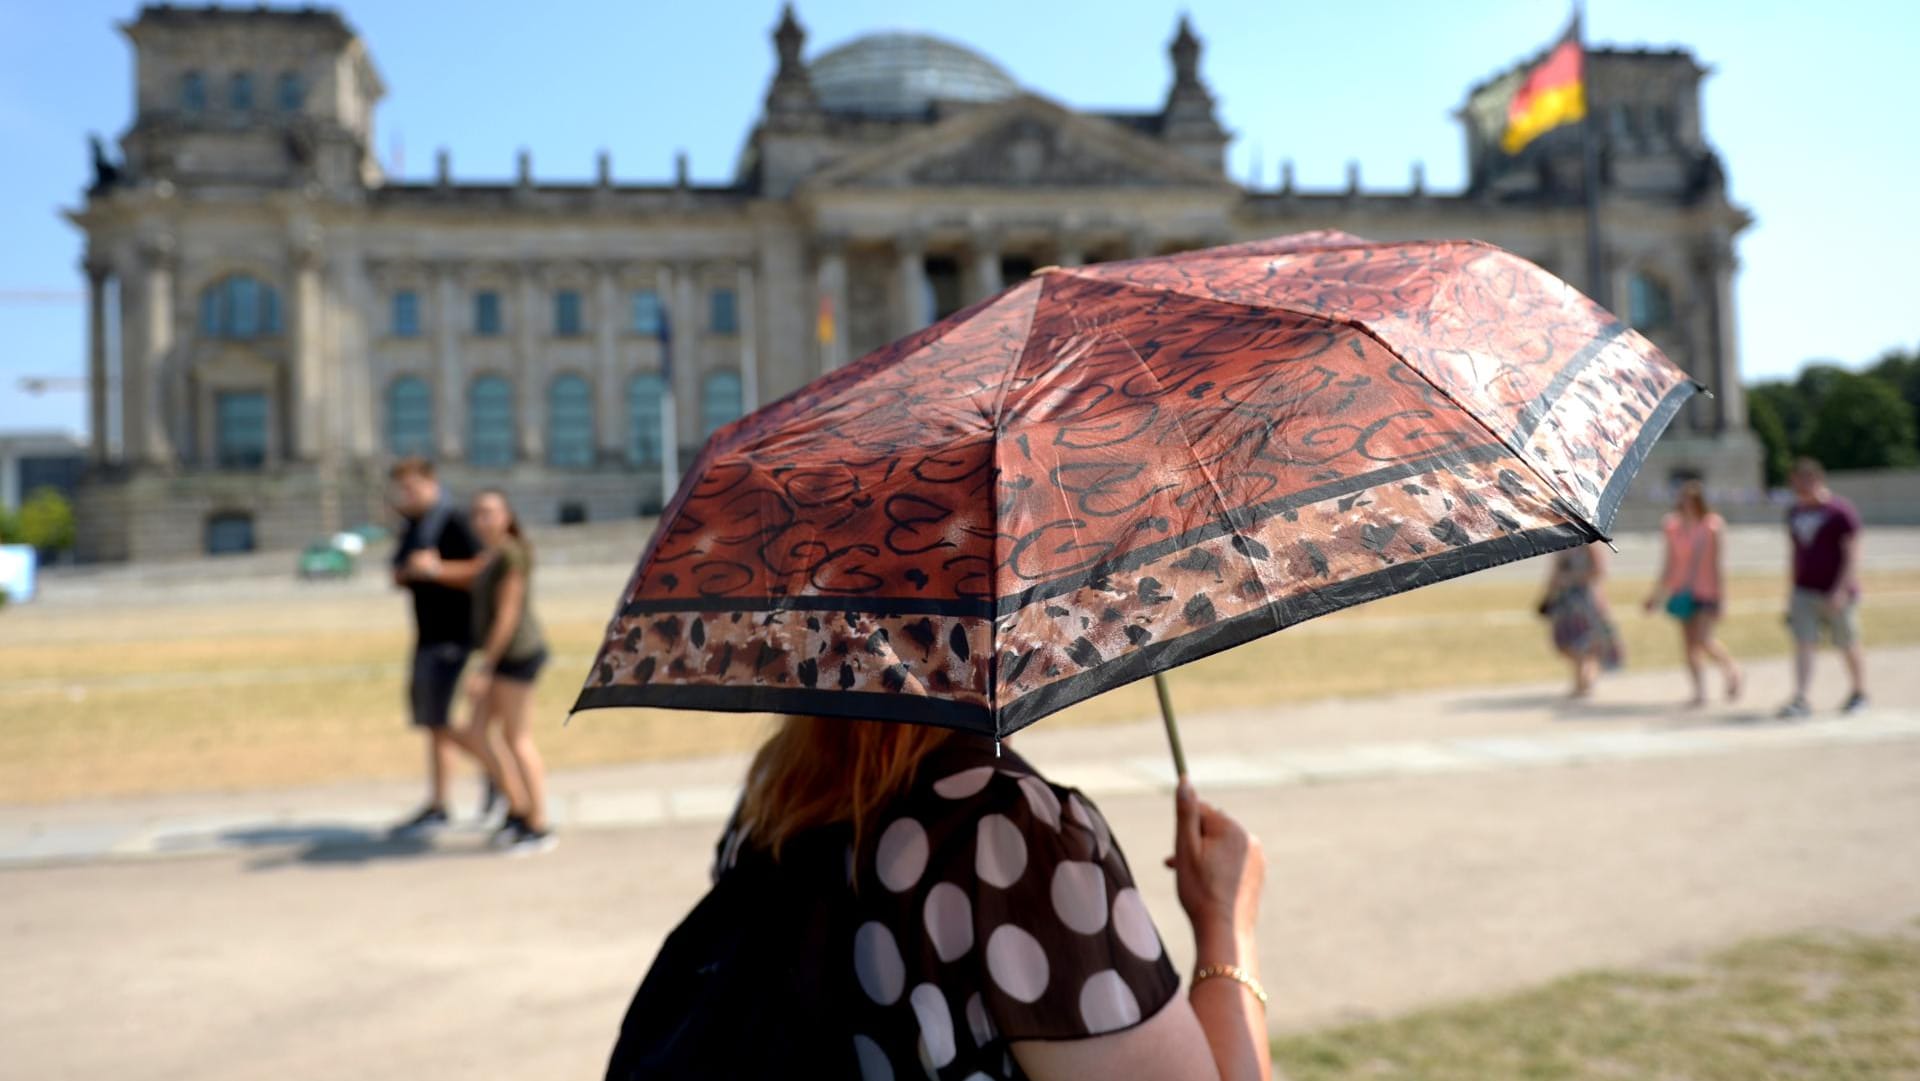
[511,651]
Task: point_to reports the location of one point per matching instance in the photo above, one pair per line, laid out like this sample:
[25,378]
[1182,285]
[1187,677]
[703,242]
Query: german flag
[1552,94]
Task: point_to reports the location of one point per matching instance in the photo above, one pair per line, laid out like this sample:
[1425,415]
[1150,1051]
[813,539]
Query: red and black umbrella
[1106,471]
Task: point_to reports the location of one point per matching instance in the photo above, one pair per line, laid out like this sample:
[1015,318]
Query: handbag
[1681,605]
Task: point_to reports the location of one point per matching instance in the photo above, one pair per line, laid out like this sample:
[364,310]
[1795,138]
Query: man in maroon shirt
[1825,530]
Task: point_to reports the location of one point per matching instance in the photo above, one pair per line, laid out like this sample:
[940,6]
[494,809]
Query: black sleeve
[408,542]
[456,539]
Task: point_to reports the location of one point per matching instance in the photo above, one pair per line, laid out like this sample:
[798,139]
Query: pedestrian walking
[1825,530]
[1692,590]
[993,924]
[1582,623]
[443,623]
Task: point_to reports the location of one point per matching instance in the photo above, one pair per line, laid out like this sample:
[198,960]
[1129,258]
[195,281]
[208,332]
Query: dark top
[1819,532]
[528,642]
[990,906]
[442,615]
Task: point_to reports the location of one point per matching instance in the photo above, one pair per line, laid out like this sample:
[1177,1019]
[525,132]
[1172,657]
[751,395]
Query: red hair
[819,771]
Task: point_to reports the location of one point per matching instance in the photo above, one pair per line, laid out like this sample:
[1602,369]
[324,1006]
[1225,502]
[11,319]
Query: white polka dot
[873,1061]
[949,919]
[1134,924]
[965,783]
[1001,854]
[1017,963]
[876,960]
[1107,1003]
[978,1076]
[1041,798]
[978,1022]
[902,855]
[1086,816]
[1080,895]
[936,1023]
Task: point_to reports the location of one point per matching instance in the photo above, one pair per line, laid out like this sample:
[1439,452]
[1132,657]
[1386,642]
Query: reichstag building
[272,320]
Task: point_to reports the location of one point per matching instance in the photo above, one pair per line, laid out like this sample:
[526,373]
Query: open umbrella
[1106,471]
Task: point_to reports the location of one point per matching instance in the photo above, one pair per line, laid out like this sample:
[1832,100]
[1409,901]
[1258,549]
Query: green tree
[1784,399]
[1901,371]
[1765,421]
[9,527]
[1861,423]
[46,521]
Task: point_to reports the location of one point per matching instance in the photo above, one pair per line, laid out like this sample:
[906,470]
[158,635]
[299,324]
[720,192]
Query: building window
[644,428]
[723,312]
[229,533]
[943,295]
[1620,119]
[193,92]
[409,417]
[567,319]
[570,423]
[406,314]
[240,429]
[573,513]
[647,316]
[1649,307]
[486,314]
[239,306]
[240,92]
[289,93]
[490,430]
[719,401]
[1660,119]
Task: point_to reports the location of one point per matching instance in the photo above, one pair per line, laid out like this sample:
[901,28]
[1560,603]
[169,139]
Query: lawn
[1810,1007]
[305,685]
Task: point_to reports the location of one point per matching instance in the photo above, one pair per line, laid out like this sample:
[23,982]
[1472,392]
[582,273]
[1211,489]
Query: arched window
[490,431]
[643,419]
[409,417]
[570,423]
[240,92]
[239,306]
[193,92]
[229,532]
[719,401]
[289,93]
[1649,307]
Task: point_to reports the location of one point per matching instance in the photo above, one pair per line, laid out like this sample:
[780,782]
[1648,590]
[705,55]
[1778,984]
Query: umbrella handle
[1173,728]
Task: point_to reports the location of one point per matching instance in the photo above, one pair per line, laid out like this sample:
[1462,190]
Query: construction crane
[42,384]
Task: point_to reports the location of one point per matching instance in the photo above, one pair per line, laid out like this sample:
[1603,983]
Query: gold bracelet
[1235,973]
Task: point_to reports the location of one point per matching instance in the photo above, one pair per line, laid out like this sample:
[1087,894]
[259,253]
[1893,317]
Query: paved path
[1421,848]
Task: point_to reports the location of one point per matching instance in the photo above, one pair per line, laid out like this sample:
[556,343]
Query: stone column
[98,386]
[830,287]
[306,440]
[987,279]
[666,287]
[528,401]
[687,331]
[450,384]
[746,313]
[1716,278]
[911,285]
[1140,244]
[1069,250]
[145,421]
[607,397]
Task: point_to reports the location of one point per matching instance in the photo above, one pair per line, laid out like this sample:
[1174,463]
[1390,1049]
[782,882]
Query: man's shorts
[436,678]
[1807,613]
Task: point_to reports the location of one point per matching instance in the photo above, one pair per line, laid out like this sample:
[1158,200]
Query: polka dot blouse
[991,906]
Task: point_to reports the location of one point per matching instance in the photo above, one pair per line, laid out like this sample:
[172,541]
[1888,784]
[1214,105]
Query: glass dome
[896,74]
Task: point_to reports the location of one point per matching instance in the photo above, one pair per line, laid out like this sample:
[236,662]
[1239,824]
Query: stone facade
[279,320]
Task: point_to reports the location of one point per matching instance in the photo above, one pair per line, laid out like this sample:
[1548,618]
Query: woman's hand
[423,565]
[1218,869]
[1654,600]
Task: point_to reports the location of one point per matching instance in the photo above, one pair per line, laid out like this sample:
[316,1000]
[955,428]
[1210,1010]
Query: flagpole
[1597,285]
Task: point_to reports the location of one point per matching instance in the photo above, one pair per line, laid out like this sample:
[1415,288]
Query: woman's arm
[1219,1031]
[1660,590]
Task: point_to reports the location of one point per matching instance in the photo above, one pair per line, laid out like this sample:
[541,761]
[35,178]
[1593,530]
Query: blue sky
[1807,106]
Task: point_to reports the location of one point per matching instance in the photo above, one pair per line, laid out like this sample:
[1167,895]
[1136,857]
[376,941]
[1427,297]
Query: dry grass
[1813,1007]
[306,687]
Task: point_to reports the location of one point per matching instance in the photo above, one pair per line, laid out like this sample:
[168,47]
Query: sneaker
[509,832]
[1796,710]
[529,841]
[1855,702]
[429,820]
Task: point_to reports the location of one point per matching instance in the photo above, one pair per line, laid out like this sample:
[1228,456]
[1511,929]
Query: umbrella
[1106,471]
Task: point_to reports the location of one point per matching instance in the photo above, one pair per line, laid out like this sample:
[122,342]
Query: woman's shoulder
[514,554]
[970,788]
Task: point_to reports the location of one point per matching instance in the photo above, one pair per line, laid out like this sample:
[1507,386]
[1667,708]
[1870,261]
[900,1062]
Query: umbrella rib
[996,425]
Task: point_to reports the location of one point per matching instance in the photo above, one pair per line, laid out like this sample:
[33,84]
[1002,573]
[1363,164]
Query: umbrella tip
[1048,269]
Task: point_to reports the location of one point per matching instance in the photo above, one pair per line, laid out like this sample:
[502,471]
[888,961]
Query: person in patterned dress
[1583,630]
[998,931]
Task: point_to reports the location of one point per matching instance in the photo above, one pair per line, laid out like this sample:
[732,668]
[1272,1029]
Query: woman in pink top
[1690,587]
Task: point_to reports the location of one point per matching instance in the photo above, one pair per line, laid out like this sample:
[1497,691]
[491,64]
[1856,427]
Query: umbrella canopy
[1106,471]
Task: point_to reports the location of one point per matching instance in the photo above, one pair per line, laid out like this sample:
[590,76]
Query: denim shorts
[436,678]
[523,671]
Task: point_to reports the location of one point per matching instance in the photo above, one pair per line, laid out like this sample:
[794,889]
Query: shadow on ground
[321,843]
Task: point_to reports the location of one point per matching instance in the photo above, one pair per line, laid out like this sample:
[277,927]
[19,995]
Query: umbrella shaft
[1173,728]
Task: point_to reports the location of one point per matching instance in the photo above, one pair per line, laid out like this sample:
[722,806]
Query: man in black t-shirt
[443,623]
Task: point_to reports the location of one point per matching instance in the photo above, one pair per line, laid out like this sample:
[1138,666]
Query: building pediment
[1025,142]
